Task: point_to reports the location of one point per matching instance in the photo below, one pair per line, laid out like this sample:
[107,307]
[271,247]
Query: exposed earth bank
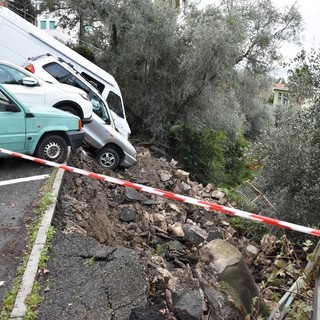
[121,254]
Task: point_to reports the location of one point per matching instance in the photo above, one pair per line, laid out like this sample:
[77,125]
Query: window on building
[43,24]
[52,25]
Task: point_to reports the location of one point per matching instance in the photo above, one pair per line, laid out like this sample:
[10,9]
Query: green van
[45,132]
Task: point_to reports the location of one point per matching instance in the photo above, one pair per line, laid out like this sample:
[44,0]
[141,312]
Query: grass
[89,262]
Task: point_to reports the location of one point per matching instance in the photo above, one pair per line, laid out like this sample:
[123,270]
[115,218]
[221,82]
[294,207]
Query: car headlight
[84,96]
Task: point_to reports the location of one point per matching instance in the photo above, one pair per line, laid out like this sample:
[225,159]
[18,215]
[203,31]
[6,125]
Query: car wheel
[108,158]
[53,148]
[70,109]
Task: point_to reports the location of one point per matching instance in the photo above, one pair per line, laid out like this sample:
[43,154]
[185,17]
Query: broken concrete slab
[109,281]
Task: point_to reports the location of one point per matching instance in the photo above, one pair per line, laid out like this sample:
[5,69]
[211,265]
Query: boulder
[145,313]
[182,175]
[194,234]
[128,215]
[165,175]
[234,275]
[176,229]
[133,194]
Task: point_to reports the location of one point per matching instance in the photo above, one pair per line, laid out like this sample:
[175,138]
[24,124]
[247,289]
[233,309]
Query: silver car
[109,147]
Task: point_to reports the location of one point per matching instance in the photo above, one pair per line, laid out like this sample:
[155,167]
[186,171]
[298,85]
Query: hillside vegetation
[196,83]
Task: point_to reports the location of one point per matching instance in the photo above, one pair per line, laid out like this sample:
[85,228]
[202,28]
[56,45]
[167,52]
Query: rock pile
[195,266]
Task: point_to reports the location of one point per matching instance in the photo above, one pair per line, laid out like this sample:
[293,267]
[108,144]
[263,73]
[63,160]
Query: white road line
[7,182]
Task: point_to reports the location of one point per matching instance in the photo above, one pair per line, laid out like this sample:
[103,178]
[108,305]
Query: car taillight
[30,68]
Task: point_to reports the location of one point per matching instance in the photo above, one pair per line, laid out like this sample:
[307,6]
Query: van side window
[114,103]
[97,84]
[59,73]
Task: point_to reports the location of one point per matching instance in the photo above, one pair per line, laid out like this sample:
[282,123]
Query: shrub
[85,52]
[210,156]
[290,174]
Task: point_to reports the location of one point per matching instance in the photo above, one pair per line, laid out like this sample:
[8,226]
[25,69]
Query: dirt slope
[166,234]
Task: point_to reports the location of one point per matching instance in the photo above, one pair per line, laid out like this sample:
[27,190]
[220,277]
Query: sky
[310,11]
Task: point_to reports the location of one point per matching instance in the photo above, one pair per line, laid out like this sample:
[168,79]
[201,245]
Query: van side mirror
[30,82]
[108,121]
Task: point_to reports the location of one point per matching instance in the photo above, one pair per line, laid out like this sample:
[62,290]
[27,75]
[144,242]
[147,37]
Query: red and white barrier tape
[172,196]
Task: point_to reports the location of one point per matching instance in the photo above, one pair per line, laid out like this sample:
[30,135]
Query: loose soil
[118,216]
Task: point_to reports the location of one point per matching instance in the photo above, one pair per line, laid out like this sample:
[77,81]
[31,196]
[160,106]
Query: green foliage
[300,310]
[290,175]
[158,249]
[90,262]
[210,155]
[194,80]
[288,268]
[172,69]
[253,91]
[248,228]
[304,78]
[44,257]
[85,52]
[33,301]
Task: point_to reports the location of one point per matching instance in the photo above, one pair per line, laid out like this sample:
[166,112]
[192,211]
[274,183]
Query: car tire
[70,109]
[52,148]
[108,158]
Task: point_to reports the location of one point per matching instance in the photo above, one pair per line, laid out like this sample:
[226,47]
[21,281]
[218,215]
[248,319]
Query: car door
[12,79]
[12,125]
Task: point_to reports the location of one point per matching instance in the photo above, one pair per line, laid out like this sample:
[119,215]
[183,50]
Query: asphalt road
[20,181]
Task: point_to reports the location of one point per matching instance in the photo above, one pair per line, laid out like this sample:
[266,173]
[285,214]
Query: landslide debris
[169,238]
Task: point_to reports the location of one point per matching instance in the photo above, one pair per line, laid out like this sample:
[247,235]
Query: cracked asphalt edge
[20,308]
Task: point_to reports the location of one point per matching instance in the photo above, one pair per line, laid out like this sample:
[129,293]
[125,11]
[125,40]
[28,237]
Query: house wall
[49,23]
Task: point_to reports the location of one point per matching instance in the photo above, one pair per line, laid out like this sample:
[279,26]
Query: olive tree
[80,14]
[304,77]
[167,62]
[289,174]
[143,54]
[190,75]
[24,8]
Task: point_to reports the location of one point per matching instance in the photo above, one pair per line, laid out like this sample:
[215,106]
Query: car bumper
[75,138]
[128,160]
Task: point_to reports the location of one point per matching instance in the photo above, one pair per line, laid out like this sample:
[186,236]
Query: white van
[21,40]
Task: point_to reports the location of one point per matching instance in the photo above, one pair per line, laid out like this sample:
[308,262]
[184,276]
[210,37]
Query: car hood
[67,88]
[115,135]
[43,111]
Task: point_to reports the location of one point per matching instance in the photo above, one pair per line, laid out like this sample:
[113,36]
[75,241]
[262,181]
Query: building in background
[280,94]
[49,22]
